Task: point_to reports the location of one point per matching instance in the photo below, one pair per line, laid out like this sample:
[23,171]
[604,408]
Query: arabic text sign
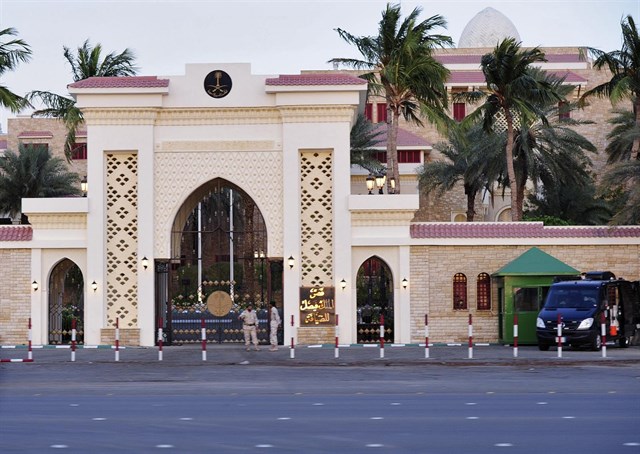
[317,306]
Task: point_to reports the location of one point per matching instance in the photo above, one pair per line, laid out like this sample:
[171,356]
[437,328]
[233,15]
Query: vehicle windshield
[571,298]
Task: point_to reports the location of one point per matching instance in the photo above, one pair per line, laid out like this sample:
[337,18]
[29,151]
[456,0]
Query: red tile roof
[121,82]
[34,134]
[518,230]
[405,138]
[16,233]
[570,77]
[314,79]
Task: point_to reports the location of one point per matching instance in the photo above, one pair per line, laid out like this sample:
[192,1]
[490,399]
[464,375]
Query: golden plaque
[219,303]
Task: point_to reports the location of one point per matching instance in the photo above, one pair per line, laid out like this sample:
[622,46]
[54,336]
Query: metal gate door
[374,301]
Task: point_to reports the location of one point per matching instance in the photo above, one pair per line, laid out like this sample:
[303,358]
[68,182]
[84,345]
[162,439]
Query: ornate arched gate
[219,265]
[66,303]
[374,299]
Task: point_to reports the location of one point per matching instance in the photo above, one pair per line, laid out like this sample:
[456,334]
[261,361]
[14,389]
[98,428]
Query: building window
[459,292]
[564,110]
[484,292]
[458,111]
[382,113]
[409,156]
[79,151]
[368,111]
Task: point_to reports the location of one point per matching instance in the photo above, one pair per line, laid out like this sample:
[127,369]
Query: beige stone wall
[433,268]
[128,336]
[15,296]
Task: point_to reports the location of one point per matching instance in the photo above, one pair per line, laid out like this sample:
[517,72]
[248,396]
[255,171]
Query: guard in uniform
[273,325]
[250,326]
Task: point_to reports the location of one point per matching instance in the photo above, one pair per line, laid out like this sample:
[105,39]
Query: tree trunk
[471,202]
[513,184]
[636,142]
[392,151]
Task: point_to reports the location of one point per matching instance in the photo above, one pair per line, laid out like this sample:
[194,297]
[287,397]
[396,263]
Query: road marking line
[264,446]
[377,417]
[318,404]
[285,418]
[503,445]
[186,419]
[164,446]
[472,417]
[374,445]
[541,403]
[568,417]
[98,419]
[59,446]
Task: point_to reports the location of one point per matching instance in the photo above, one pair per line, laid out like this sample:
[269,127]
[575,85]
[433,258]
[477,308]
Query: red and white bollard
[381,336]
[336,353]
[204,340]
[117,339]
[30,352]
[603,333]
[292,351]
[515,335]
[426,336]
[559,332]
[470,336]
[160,339]
[73,339]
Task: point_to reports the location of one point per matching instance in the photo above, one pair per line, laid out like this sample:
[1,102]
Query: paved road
[569,405]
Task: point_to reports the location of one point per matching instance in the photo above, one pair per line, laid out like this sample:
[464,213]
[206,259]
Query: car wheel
[596,344]
[623,342]
[543,347]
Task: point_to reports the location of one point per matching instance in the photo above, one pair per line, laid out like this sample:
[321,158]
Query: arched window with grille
[459,291]
[483,292]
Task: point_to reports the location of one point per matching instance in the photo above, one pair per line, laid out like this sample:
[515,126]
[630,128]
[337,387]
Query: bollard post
[204,340]
[603,333]
[381,336]
[470,336]
[30,353]
[337,349]
[559,332]
[292,351]
[160,339]
[117,339]
[426,336]
[515,335]
[73,339]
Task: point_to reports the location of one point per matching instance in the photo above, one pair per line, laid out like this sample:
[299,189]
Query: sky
[275,37]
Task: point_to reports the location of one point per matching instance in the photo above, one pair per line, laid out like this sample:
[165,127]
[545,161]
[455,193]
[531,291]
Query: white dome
[487,29]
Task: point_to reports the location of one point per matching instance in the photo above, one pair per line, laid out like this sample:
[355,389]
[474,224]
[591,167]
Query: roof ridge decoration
[314,79]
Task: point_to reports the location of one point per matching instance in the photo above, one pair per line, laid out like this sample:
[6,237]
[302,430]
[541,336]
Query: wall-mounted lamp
[371,182]
[405,282]
[291,261]
[34,286]
[380,180]
[145,262]
[84,186]
[94,286]
[343,284]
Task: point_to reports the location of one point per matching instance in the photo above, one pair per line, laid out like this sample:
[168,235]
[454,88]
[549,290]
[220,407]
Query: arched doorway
[66,303]
[219,265]
[374,300]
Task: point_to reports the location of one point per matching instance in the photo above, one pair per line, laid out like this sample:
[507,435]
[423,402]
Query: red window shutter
[382,113]
[368,111]
[458,111]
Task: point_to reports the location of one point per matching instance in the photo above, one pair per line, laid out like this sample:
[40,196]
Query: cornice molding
[218,116]
[58,221]
[382,218]
[317,114]
[120,116]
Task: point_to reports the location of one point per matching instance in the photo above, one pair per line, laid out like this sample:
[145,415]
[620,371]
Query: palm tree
[87,62]
[624,65]
[552,154]
[474,158]
[401,67]
[32,173]
[12,53]
[363,138]
[513,93]
[627,175]
[576,204]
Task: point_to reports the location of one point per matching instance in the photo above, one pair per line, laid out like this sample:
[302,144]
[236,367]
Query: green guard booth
[522,285]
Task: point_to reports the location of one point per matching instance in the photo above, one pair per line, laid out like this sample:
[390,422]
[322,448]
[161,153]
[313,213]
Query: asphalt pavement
[326,355]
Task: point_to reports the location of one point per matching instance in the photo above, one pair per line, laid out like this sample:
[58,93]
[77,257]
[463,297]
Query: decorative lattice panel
[122,239]
[316,218]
